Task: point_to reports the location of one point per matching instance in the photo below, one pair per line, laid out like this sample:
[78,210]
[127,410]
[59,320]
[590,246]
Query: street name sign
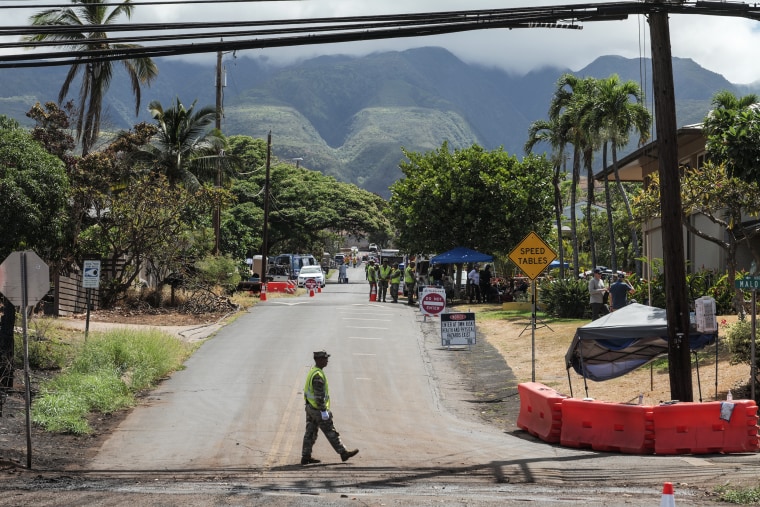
[532,255]
[748,283]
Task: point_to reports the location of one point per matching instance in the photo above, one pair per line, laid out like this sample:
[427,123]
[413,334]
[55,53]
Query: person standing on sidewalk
[596,291]
[384,278]
[395,282]
[409,282]
[372,278]
[316,393]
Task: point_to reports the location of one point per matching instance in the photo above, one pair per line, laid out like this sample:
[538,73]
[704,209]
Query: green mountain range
[350,116]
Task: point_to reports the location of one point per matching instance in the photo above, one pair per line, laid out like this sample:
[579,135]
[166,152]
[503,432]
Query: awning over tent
[622,341]
[555,264]
[461,255]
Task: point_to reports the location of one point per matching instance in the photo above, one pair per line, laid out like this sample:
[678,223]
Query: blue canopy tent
[622,341]
[461,255]
[555,264]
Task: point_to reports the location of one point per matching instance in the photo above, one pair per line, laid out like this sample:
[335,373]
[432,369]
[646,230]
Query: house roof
[644,161]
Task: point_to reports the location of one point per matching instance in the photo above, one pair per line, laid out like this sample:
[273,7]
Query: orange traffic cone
[263,293]
[373,292]
[311,292]
[668,499]
[319,288]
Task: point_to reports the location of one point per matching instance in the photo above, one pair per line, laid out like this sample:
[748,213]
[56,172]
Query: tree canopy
[485,200]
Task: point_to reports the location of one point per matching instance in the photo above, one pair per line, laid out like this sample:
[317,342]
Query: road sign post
[90,280]
[532,255]
[25,280]
[751,283]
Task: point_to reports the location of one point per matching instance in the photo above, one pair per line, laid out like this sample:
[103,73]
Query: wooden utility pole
[676,297]
[265,236]
[217,210]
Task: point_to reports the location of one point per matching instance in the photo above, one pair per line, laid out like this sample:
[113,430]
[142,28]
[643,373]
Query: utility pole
[677,306]
[217,220]
[265,235]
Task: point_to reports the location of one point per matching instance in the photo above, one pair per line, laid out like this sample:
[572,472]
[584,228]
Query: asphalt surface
[227,429]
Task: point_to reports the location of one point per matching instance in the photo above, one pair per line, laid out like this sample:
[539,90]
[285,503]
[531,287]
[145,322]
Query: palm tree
[568,107]
[554,133]
[186,149]
[96,75]
[617,115]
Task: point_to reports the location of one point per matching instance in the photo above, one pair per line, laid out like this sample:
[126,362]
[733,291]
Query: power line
[304,32]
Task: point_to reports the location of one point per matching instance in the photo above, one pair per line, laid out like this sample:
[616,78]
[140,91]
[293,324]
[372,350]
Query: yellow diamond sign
[532,255]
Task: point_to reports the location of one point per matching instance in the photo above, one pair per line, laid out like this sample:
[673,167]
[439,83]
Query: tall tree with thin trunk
[618,110]
[96,75]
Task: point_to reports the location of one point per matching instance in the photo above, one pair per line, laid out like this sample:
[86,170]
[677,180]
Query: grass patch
[104,376]
[739,496]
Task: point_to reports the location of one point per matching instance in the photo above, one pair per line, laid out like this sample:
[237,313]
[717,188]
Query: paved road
[228,428]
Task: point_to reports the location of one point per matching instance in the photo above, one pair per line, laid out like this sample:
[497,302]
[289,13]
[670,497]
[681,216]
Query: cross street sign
[748,283]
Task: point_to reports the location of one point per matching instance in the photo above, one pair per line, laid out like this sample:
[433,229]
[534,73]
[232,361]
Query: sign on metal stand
[24,280]
[532,255]
[90,280]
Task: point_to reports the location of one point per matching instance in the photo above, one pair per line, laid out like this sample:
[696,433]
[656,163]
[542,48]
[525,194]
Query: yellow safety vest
[308,390]
[395,276]
[385,272]
[371,274]
[408,275]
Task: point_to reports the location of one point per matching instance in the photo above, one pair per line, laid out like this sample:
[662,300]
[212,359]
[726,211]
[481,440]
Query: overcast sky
[728,46]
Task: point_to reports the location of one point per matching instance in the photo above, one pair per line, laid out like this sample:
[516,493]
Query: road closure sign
[532,255]
[457,328]
[432,301]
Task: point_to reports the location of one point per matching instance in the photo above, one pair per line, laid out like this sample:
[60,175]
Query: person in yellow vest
[316,393]
[395,282]
[384,278]
[409,282]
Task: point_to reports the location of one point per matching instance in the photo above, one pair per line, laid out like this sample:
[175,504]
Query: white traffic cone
[668,499]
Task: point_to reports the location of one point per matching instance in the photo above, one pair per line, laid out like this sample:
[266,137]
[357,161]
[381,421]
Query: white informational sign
[91,274]
[458,329]
[433,301]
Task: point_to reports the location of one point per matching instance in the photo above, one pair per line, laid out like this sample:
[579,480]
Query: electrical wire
[303,32]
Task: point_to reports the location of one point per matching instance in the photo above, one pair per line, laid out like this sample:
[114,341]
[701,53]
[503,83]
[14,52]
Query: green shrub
[739,338]
[567,299]
[723,295]
[220,271]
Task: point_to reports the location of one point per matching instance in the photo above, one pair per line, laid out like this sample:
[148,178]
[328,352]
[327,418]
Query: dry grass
[511,336]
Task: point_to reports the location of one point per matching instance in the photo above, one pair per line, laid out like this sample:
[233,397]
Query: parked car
[314,272]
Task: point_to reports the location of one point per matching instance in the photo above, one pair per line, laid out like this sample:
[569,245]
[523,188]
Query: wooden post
[679,360]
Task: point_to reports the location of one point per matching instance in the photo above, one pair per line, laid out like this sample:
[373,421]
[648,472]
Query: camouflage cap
[321,354]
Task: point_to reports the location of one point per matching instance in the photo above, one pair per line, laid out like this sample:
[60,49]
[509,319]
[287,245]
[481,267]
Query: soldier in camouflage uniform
[318,416]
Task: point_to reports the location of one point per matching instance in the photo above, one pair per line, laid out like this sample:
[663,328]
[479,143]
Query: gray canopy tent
[624,340]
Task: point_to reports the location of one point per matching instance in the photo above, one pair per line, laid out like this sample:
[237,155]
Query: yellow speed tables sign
[532,255]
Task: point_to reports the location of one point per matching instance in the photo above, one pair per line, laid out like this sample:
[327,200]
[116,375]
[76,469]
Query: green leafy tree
[33,202]
[88,16]
[554,133]
[723,200]
[143,223]
[568,108]
[185,149]
[733,134]
[618,110]
[485,200]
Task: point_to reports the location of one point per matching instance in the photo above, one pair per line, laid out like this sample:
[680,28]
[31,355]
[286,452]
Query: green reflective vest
[385,272]
[408,275]
[308,390]
[371,274]
[395,276]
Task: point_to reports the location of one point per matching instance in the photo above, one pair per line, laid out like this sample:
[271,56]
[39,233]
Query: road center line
[363,318]
[362,338]
[367,327]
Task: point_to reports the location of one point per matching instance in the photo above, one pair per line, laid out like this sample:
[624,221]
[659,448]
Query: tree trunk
[610,221]
[573,199]
[587,160]
[558,218]
[629,212]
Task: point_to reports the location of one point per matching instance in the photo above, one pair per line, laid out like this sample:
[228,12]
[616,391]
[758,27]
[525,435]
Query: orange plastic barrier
[697,428]
[612,427]
[540,411]
[277,286]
